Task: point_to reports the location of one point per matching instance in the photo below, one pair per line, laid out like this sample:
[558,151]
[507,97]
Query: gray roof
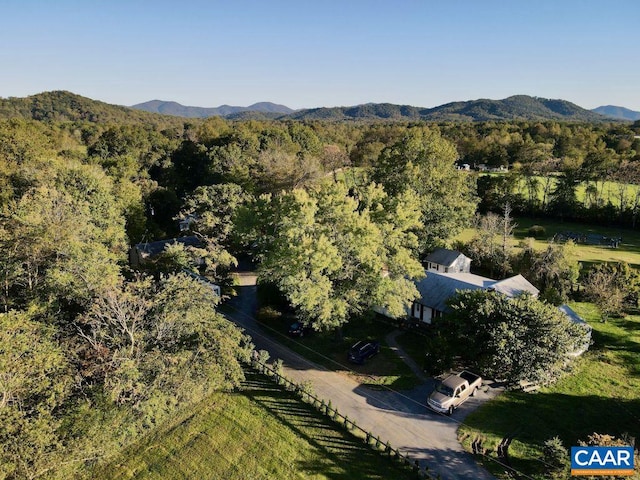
[514,286]
[584,343]
[573,316]
[155,248]
[443,256]
[436,288]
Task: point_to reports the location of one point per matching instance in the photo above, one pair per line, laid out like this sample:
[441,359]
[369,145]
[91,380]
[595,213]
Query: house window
[437,314]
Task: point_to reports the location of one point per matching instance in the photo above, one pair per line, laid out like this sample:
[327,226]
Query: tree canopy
[423,162]
[335,255]
[512,339]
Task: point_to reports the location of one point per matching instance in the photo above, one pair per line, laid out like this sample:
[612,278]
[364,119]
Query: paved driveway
[400,418]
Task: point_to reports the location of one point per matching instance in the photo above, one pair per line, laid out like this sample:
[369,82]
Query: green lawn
[385,369]
[608,191]
[628,251]
[601,395]
[259,432]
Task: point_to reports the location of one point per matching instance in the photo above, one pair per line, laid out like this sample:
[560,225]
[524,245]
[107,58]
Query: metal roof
[436,287]
[443,256]
[514,286]
[155,248]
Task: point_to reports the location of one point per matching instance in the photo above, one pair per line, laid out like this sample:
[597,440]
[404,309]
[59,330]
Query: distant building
[185,222]
[142,252]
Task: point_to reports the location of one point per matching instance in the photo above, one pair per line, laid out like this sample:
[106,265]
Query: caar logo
[602,460]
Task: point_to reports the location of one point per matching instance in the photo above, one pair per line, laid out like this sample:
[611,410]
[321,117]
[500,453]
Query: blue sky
[322,53]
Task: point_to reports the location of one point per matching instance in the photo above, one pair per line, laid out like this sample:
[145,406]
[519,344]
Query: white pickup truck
[451,392]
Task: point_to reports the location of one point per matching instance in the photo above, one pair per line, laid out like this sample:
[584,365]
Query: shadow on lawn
[539,417]
[614,341]
[345,457]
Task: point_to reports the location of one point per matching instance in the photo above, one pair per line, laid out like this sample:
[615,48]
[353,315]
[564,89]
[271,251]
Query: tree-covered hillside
[62,106]
[516,108]
[66,106]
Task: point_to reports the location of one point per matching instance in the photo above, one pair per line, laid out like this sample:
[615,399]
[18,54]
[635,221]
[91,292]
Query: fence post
[275,372]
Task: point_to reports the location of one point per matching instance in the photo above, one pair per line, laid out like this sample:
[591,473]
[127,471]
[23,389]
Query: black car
[363,350]
[298,329]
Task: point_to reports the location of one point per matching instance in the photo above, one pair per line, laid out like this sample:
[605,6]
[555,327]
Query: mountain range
[620,113]
[517,107]
[173,108]
[67,106]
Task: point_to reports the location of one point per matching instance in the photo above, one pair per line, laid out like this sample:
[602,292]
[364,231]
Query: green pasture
[258,432]
[628,251]
[607,191]
[602,394]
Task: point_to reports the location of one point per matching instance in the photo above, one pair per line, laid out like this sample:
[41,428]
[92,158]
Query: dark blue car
[298,329]
[363,350]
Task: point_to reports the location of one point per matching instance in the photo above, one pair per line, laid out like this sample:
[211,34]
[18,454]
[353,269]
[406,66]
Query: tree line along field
[587,191]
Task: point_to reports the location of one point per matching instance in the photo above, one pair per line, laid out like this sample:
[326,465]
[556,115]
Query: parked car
[299,329]
[452,392]
[363,350]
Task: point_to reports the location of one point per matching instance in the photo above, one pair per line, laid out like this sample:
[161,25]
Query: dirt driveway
[399,417]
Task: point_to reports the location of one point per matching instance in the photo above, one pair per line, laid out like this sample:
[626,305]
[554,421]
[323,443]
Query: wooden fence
[306,395]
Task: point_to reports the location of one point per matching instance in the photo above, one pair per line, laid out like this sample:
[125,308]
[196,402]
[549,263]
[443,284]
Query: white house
[437,287]
[448,261]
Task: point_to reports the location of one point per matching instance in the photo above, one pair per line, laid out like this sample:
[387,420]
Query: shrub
[555,454]
[536,231]
[268,314]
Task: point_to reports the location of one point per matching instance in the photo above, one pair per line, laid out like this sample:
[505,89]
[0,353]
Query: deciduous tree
[424,162]
[334,255]
[515,339]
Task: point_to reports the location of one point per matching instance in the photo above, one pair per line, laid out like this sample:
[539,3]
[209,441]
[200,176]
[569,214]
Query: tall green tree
[553,270]
[163,341]
[424,162]
[35,381]
[334,255]
[515,339]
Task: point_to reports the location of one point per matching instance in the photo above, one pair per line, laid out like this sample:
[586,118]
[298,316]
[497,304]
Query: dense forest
[87,342]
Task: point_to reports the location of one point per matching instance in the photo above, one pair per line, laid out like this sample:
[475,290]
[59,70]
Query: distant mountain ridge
[178,110]
[619,113]
[67,106]
[518,107]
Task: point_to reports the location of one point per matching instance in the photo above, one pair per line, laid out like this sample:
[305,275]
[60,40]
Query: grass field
[628,251]
[609,191]
[385,369]
[601,395]
[259,432]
